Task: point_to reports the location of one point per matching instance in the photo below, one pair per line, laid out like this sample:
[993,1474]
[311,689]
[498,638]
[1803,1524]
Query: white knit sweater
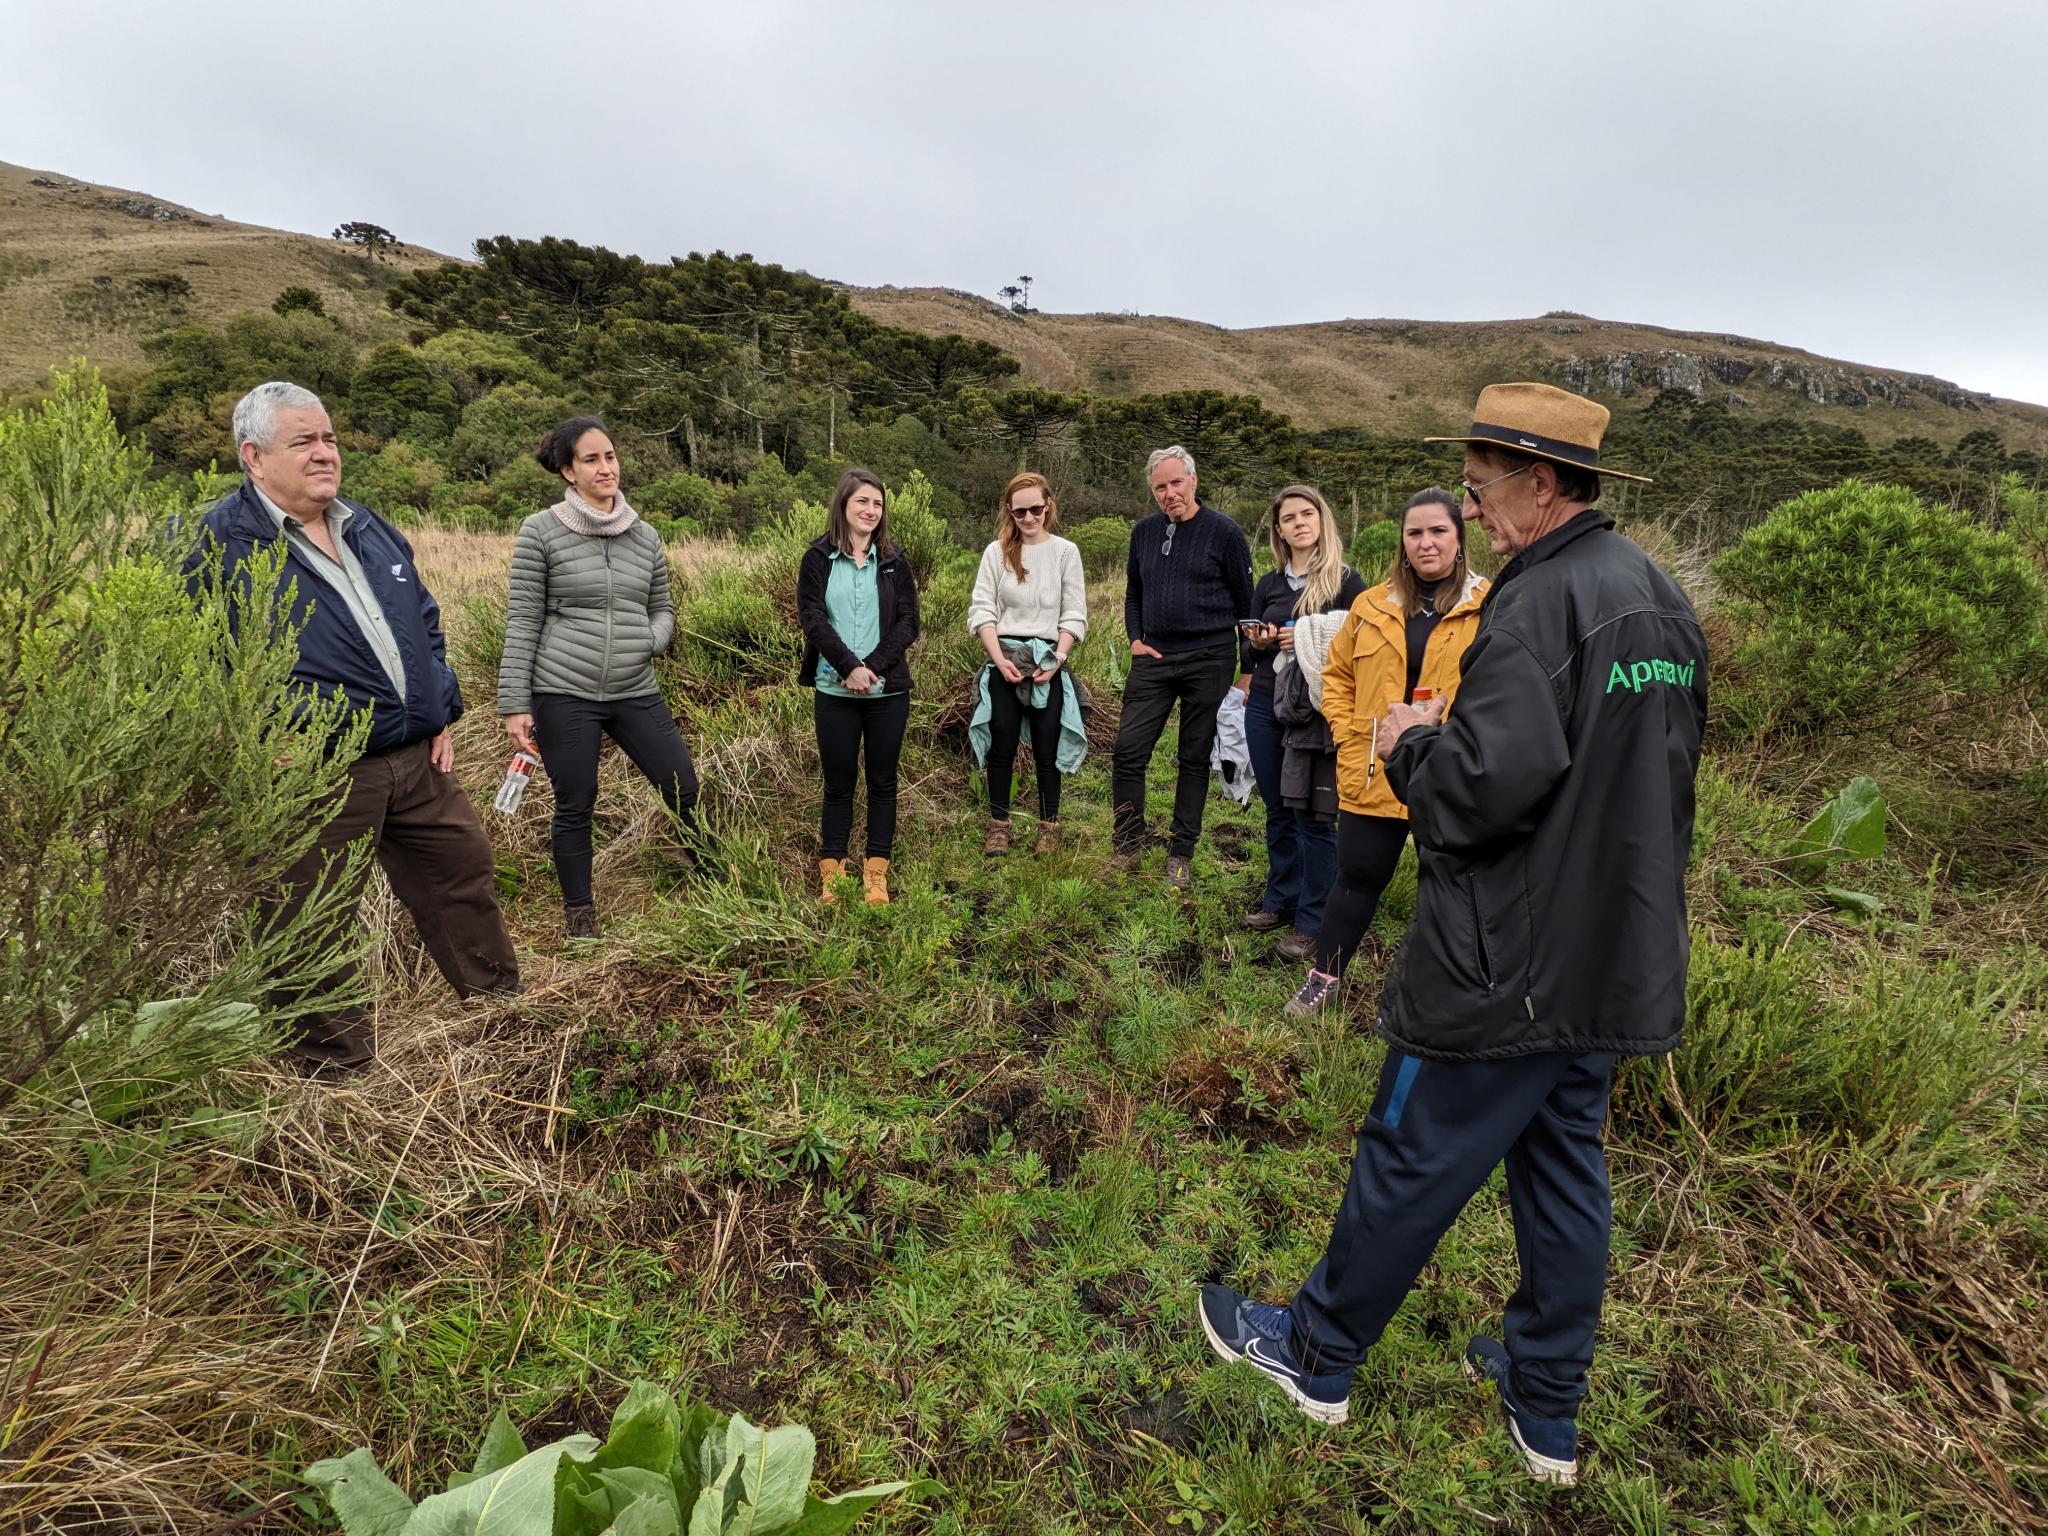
[1052,597]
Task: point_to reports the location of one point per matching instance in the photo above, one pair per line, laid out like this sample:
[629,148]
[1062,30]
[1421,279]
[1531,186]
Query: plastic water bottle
[827,673]
[513,790]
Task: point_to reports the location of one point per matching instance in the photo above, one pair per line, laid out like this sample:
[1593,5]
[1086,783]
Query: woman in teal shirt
[857,603]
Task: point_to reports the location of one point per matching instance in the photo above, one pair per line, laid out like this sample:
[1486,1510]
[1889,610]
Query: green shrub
[1860,604]
[728,626]
[682,496]
[506,424]
[1894,1060]
[1105,543]
[2026,517]
[156,784]
[397,475]
[918,531]
[1372,551]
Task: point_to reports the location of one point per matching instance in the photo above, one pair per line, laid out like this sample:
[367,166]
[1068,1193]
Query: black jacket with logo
[1552,814]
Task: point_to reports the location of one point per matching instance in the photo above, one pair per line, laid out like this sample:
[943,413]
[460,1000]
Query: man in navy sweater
[370,634]
[1187,582]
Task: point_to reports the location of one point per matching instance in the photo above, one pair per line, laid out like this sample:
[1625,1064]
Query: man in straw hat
[1552,813]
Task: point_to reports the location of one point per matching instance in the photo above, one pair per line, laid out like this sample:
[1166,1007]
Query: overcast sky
[1865,180]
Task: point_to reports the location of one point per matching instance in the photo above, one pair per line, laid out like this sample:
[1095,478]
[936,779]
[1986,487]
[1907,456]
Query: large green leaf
[646,1431]
[700,1427]
[502,1446]
[365,1501]
[785,1477]
[827,1517]
[518,1500]
[1849,826]
[645,1517]
[628,1486]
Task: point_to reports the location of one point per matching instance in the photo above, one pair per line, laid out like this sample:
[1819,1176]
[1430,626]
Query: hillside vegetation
[1411,377]
[939,1179]
[88,269]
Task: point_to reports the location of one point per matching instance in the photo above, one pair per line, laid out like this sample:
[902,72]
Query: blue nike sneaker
[1549,1448]
[1262,1335]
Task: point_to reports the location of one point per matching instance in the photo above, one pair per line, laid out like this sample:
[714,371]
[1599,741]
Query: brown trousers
[433,850]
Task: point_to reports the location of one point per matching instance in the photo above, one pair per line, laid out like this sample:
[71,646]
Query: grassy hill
[1402,376]
[92,269]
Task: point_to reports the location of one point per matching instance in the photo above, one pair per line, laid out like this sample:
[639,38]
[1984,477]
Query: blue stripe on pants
[1433,1137]
[1397,1101]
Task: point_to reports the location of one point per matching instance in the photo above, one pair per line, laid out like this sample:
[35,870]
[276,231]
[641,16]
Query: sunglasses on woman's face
[1020,513]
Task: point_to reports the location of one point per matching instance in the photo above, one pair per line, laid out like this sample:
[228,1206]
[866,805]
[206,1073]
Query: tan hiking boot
[1048,839]
[997,842]
[829,870]
[874,878]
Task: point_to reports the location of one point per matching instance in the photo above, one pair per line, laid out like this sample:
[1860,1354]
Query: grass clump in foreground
[939,1181]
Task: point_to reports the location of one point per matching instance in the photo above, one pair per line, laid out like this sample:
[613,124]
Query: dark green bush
[1372,552]
[1860,604]
[681,496]
[1104,543]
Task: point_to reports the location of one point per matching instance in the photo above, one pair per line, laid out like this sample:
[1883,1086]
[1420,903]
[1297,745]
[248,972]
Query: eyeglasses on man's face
[1485,485]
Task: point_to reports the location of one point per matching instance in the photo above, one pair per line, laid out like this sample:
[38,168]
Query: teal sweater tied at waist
[1073,737]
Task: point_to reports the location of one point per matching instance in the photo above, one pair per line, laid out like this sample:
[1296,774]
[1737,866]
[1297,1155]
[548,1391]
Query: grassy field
[939,1180]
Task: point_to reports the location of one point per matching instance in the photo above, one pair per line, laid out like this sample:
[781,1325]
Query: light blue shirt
[344,577]
[853,605]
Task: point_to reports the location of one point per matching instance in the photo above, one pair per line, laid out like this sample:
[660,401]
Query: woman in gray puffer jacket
[590,610]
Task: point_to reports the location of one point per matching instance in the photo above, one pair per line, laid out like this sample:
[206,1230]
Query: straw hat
[1544,421]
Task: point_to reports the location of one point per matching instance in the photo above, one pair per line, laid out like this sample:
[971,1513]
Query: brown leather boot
[998,840]
[580,922]
[829,870]
[874,878]
[1048,839]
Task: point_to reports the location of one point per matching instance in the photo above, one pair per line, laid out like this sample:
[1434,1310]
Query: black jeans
[1368,849]
[1435,1131]
[848,730]
[1006,716]
[569,731]
[1197,683]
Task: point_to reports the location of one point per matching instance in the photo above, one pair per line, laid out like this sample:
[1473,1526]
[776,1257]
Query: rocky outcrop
[1644,371]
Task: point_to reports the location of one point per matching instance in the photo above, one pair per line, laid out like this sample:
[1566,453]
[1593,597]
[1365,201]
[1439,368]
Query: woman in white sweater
[1030,607]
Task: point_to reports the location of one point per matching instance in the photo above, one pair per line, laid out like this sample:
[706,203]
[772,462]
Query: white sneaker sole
[1545,1469]
[1322,1413]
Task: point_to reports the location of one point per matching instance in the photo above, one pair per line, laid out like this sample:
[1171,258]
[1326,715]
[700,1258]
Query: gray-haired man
[1187,582]
[369,633]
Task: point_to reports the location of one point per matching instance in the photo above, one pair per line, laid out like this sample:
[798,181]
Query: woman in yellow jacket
[1401,642]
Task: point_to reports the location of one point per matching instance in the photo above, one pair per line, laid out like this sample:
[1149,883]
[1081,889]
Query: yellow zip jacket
[1368,670]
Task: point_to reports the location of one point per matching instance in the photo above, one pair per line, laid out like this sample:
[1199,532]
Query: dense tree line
[736,385]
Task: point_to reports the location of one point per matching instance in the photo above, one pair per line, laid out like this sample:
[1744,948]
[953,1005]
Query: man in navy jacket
[370,633]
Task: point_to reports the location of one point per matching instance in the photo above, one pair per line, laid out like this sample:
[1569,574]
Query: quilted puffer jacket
[588,615]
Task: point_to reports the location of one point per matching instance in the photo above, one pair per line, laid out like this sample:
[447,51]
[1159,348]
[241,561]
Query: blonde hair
[1325,561]
[1008,537]
[1401,580]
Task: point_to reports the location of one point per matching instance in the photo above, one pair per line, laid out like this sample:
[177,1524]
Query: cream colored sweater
[1052,597]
